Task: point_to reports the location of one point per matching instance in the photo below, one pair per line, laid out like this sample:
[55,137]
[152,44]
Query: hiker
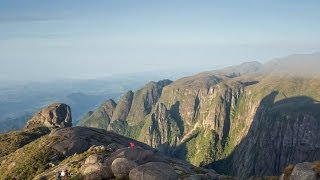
[132,145]
[63,173]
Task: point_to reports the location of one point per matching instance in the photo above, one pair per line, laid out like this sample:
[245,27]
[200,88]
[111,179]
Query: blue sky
[45,39]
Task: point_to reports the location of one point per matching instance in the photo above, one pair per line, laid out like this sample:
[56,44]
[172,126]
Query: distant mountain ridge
[212,117]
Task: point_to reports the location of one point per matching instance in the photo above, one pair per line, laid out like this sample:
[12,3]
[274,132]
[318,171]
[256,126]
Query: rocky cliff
[52,116]
[245,120]
[101,117]
[48,118]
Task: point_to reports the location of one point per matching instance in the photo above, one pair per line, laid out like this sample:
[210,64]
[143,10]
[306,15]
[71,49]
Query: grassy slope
[28,161]
[12,141]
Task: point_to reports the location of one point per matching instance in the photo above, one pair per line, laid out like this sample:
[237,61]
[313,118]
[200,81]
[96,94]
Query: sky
[46,39]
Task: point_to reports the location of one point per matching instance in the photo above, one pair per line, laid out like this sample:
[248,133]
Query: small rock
[211,175]
[112,147]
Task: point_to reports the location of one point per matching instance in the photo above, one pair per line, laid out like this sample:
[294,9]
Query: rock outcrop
[281,133]
[94,168]
[121,167]
[154,171]
[53,116]
[303,171]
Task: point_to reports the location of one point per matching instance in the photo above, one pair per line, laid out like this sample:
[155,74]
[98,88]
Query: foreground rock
[94,168]
[52,116]
[139,163]
[90,153]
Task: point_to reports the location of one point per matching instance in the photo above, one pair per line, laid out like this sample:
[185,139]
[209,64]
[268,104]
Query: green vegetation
[98,119]
[28,161]
[122,127]
[12,141]
[199,148]
[143,101]
[134,131]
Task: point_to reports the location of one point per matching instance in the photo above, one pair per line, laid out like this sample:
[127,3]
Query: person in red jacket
[131,145]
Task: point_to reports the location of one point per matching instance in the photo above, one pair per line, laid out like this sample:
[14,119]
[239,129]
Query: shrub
[316,167]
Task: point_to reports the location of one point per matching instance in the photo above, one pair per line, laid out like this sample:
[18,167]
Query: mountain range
[248,120]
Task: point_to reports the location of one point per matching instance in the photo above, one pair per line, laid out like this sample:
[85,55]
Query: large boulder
[153,171]
[121,167]
[53,116]
[303,171]
[93,159]
[137,154]
[95,171]
[94,168]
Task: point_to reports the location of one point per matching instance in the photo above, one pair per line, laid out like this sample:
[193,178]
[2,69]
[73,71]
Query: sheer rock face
[280,134]
[52,116]
[161,130]
[123,108]
[144,100]
[109,108]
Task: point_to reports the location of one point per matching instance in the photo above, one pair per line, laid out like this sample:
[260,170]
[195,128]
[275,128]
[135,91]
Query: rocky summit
[52,116]
[90,153]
